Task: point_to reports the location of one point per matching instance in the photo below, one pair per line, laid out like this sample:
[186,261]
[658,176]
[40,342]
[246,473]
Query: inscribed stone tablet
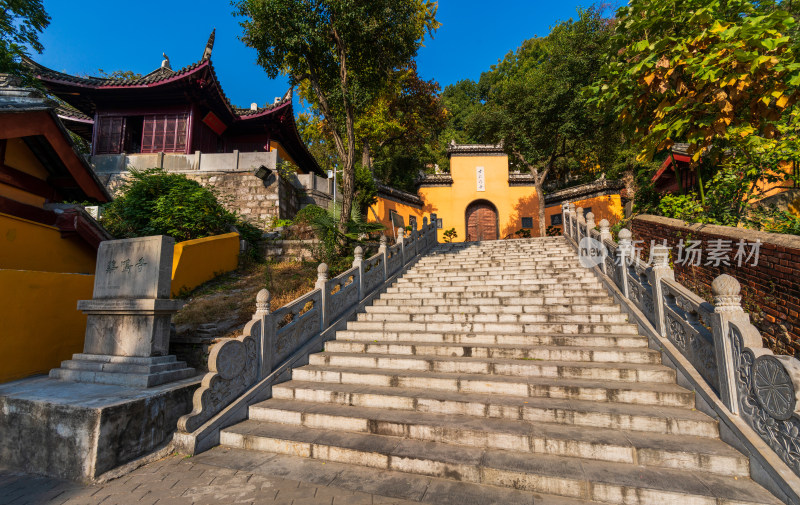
[134,268]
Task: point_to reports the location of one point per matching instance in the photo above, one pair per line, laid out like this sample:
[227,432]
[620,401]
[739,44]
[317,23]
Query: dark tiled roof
[599,187]
[157,75]
[396,194]
[474,149]
[65,110]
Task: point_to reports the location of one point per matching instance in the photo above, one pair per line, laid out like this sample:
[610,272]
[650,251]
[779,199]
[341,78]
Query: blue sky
[92,34]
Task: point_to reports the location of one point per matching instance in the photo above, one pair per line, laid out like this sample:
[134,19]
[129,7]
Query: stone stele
[127,330]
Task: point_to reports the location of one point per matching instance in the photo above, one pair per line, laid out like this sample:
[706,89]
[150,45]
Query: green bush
[684,207]
[155,202]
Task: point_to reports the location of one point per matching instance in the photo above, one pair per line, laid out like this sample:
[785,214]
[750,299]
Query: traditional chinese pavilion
[174,111]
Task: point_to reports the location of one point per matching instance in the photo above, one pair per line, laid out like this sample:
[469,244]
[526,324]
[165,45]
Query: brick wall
[770,290]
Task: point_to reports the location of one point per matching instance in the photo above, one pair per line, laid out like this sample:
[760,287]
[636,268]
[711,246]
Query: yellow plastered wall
[41,323]
[603,207]
[197,261]
[26,245]
[450,203]
[281,152]
[382,207]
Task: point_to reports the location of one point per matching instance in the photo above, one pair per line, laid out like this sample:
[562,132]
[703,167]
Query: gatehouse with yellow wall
[483,198]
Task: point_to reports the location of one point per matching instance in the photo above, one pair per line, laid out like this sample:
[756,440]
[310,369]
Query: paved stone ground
[180,481]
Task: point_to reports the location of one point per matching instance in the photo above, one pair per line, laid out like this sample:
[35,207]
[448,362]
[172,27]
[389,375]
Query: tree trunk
[366,159]
[540,197]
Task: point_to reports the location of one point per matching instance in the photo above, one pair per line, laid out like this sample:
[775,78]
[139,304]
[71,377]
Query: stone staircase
[508,366]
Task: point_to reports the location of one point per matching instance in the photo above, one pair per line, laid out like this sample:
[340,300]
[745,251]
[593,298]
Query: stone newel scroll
[128,325]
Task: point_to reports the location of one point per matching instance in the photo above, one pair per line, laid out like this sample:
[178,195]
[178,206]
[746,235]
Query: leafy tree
[408,116]
[702,72]
[536,107]
[397,133]
[21,22]
[461,101]
[344,50]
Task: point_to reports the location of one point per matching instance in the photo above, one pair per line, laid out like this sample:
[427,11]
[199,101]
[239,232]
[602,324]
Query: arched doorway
[481,220]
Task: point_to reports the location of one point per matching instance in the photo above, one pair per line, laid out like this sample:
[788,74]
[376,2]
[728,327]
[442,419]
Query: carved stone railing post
[727,309]
[564,223]
[401,233]
[383,249]
[605,234]
[579,222]
[589,224]
[267,339]
[425,234]
[322,278]
[358,262]
[625,254]
[659,270]
[435,229]
[573,219]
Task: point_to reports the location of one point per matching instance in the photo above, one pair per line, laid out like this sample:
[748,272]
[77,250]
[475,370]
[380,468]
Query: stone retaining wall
[771,289]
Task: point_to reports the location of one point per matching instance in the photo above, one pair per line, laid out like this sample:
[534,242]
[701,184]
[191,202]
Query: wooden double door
[481,221]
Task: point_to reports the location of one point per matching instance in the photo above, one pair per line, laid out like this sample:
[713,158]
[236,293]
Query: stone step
[566,328]
[493,280]
[547,281]
[599,444]
[605,482]
[498,267]
[401,349]
[495,318]
[564,289]
[392,487]
[577,413]
[566,308]
[451,299]
[576,288]
[636,341]
[568,388]
[554,367]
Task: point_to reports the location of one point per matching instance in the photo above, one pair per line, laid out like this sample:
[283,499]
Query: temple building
[181,121]
[180,112]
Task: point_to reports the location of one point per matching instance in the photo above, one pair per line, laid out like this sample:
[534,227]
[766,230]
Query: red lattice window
[109,135]
[164,133]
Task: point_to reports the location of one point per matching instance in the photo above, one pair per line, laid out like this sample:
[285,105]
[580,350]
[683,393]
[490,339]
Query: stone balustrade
[243,369]
[716,338]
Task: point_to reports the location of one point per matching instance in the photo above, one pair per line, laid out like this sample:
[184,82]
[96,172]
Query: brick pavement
[180,481]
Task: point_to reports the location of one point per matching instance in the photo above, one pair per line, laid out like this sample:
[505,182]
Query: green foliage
[553,231]
[450,235]
[775,221]
[523,233]
[684,207]
[705,72]
[343,52]
[326,229]
[154,202]
[21,22]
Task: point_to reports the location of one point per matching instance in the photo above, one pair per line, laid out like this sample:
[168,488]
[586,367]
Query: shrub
[450,235]
[684,207]
[155,202]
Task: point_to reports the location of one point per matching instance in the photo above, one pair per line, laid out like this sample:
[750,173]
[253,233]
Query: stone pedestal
[128,326]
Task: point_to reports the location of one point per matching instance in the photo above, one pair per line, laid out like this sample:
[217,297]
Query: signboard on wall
[481,177]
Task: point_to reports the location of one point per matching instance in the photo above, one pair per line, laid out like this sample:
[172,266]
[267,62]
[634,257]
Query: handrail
[241,368]
[717,339]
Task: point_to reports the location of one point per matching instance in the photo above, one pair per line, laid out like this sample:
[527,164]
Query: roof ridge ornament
[165,63]
[209,45]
